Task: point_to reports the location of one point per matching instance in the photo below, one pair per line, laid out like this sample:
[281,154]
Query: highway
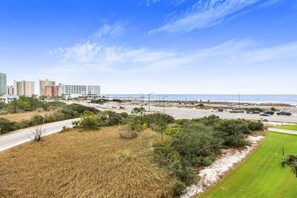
[25,135]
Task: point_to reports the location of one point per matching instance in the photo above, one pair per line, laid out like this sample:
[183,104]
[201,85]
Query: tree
[290,161]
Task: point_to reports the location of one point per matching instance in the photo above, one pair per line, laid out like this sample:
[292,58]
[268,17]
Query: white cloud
[170,2]
[120,68]
[207,13]
[110,30]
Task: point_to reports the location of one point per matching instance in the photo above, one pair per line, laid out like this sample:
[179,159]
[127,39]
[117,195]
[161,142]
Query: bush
[139,110]
[36,120]
[172,130]
[211,120]
[88,121]
[128,134]
[232,132]
[168,156]
[110,118]
[197,144]
[255,126]
[179,188]
[7,126]
[80,109]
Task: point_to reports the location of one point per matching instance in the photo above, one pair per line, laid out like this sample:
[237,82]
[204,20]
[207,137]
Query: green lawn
[288,127]
[261,175]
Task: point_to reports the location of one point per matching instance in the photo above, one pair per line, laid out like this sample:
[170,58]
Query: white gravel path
[211,174]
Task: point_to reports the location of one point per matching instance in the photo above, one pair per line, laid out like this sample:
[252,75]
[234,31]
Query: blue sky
[160,46]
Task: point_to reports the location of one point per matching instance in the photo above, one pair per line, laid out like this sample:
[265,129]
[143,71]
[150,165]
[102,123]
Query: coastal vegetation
[62,112]
[79,163]
[166,150]
[261,174]
[27,104]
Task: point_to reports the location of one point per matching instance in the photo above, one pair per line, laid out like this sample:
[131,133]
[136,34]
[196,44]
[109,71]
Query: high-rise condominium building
[43,84]
[10,90]
[3,83]
[24,88]
[74,91]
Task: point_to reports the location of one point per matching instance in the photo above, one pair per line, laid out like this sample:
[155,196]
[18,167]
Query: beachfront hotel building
[43,84]
[3,83]
[75,91]
[24,88]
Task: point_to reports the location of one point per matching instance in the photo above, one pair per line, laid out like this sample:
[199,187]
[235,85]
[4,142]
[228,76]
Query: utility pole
[164,103]
[149,103]
[239,101]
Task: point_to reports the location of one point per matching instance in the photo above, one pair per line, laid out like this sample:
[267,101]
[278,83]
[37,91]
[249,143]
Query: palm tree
[290,161]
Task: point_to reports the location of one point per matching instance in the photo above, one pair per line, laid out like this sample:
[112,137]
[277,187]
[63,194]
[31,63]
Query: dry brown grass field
[17,117]
[84,164]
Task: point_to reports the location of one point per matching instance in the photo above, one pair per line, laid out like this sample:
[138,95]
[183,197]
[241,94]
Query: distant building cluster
[48,89]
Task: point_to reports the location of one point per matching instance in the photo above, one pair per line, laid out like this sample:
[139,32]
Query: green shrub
[81,108]
[197,144]
[179,188]
[232,132]
[88,121]
[36,120]
[7,126]
[255,126]
[138,110]
[172,130]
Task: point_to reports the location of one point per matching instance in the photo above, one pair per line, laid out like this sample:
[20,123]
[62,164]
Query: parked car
[284,113]
[264,114]
[270,112]
[253,112]
[221,110]
[237,111]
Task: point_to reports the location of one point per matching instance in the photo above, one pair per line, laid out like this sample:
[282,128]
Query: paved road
[25,135]
[282,131]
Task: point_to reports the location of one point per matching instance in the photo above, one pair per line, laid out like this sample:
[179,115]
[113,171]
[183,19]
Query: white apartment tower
[24,88]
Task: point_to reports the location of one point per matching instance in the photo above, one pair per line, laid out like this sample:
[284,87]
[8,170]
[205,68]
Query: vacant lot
[261,175]
[17,117]
[84,164]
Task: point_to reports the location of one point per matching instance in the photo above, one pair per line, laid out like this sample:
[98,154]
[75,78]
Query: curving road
[25,135]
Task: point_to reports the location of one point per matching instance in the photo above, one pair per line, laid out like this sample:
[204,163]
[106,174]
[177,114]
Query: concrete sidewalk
[282,131]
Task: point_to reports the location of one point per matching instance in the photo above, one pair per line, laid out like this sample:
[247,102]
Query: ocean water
[249,98]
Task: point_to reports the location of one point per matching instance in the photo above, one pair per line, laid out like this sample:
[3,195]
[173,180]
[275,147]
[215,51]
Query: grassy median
[261,174]
[84,164]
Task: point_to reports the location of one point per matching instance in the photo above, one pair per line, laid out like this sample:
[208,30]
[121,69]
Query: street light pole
[149,103]
[164,103]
